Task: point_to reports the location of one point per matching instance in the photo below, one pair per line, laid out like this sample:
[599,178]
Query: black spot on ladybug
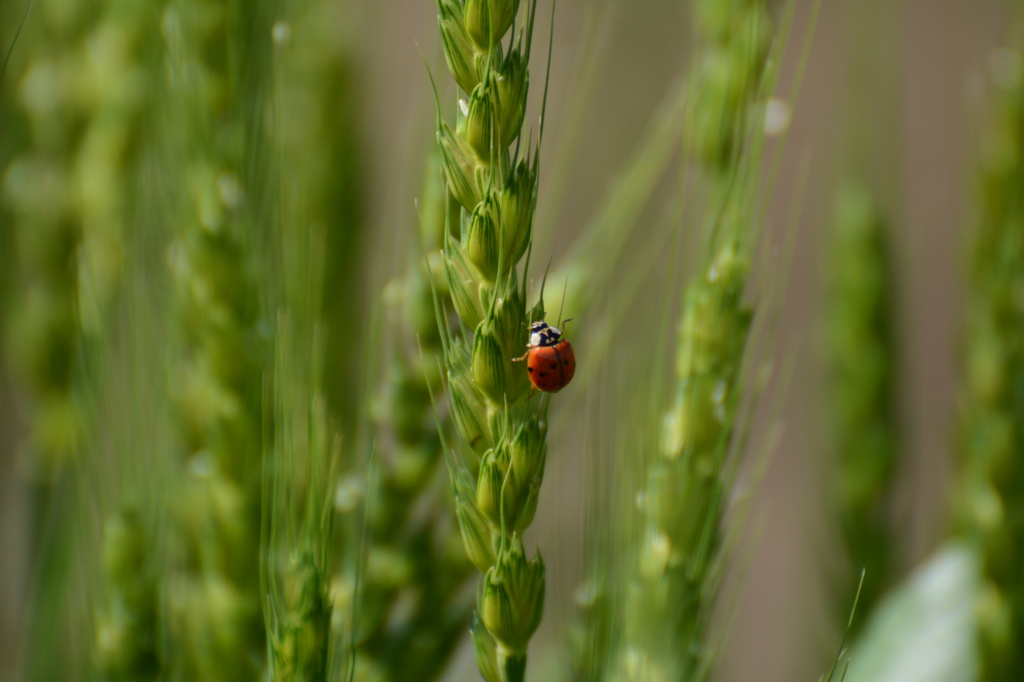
[543,374]
[554,365]
[567,362]
[530,370]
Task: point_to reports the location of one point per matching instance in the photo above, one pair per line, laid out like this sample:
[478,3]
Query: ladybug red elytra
[551,361]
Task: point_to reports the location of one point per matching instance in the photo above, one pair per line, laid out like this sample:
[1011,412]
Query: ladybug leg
[523,357]
[533,392]
[563,323]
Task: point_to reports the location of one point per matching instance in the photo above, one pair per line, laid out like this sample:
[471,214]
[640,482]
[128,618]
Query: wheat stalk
[497,483]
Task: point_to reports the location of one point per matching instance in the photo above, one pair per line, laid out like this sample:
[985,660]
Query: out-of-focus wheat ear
[413,438]
[862,351]
[220,160]
[989,501]
[675,547]
[306,164]
[860,324]
[299,463]
[70,201]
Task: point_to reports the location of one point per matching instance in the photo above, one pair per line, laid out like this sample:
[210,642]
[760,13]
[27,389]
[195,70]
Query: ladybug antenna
[544,279]
[565,291]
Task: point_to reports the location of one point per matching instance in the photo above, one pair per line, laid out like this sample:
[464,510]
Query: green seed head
[300,647]
[488,20]
[460,53]
[699,424]
[491,367]
[513,597]
[469,404]
[509,316]
[486,650]
[529,450]
[713,314]
[672,434]
[480,260]
[460,170]
[692,334]
[497,107]
[510,477]
[476,532]
[491,485]
[728,271]
[470,412]
[482,116]
[464,283]
[482,241]
[512,86]
[516,202]
[124,636]
[529,494]
[498,339]
[660,501]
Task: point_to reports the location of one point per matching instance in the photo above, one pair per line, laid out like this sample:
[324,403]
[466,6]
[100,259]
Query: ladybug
[550,360]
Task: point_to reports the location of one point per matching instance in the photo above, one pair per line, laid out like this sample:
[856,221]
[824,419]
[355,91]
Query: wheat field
[266,267]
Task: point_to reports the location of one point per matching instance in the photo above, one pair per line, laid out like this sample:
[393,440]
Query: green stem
[512,665]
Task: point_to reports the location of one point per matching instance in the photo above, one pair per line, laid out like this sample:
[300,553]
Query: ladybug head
[542,334]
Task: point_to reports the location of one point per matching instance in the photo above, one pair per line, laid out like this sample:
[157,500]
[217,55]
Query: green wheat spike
[484,246]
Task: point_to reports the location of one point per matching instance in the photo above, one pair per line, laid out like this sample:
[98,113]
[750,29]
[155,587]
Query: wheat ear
[677,561]
[497,480]
[991,499]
